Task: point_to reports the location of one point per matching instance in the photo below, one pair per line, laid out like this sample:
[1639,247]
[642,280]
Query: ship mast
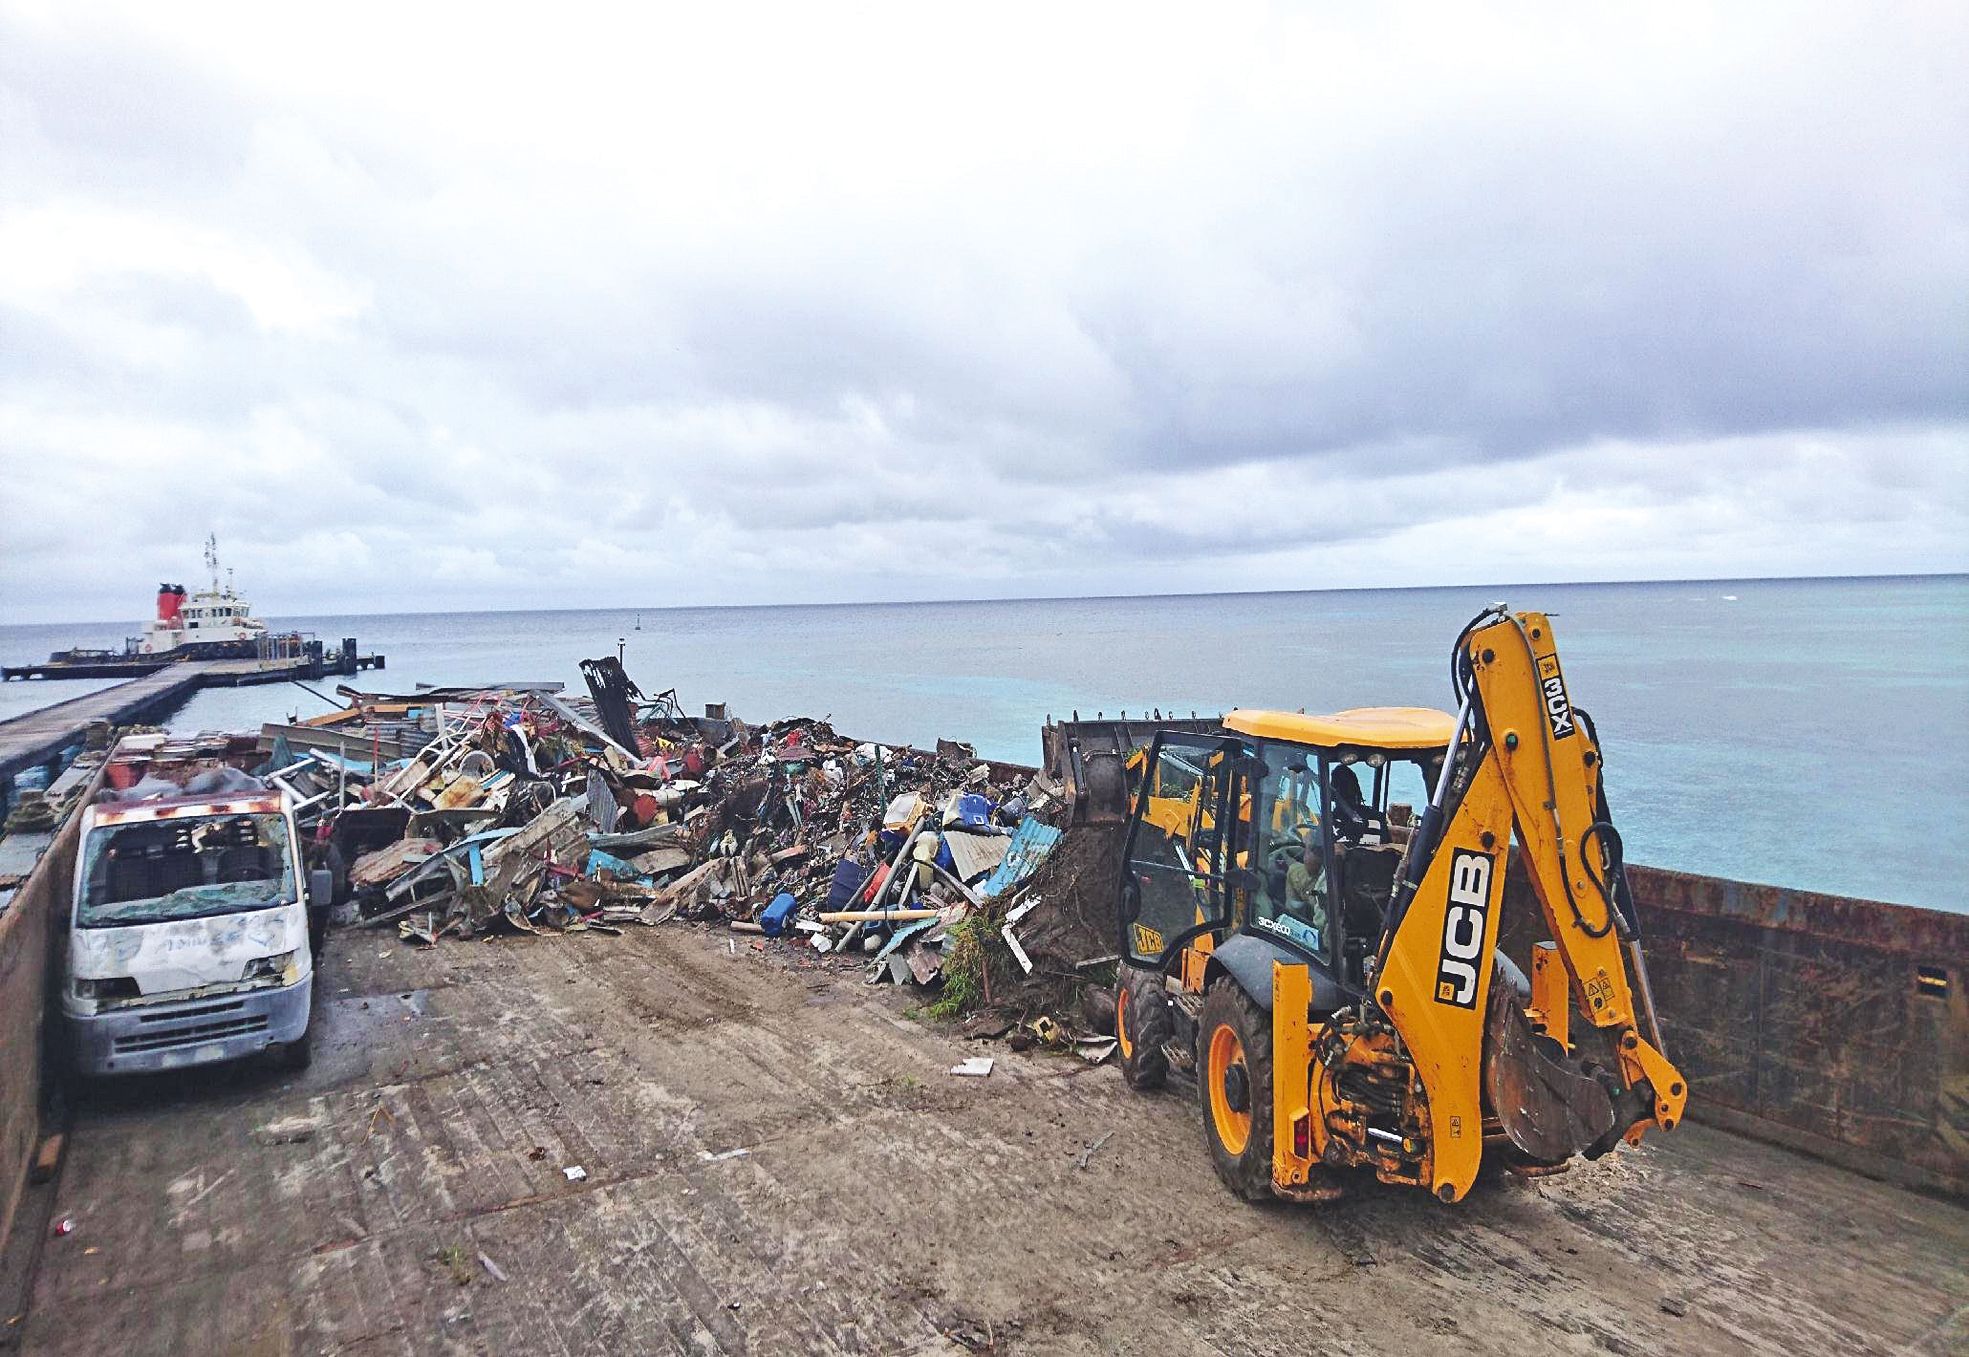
[212,558]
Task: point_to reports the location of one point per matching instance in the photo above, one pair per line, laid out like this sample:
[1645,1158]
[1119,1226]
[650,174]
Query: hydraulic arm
[1522,759]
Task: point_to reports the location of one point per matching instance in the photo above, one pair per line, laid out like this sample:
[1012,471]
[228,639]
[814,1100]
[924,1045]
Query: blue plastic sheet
[599,861]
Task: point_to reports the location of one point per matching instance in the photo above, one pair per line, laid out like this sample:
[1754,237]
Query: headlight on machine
[114,987]
[279,967]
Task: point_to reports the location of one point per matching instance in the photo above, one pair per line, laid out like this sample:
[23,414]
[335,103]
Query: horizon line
[1088,598]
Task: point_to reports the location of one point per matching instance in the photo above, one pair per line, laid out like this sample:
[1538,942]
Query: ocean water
[1805,733]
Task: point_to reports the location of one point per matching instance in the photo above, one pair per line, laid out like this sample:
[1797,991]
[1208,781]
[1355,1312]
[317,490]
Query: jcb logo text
[1463,929]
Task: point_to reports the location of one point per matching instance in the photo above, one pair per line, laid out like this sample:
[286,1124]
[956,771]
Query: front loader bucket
[1089,759]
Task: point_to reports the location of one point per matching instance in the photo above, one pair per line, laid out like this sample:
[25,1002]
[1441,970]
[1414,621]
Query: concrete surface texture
[775,1159]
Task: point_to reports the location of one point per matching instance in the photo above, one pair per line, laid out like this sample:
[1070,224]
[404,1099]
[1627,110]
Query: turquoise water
[1806,733]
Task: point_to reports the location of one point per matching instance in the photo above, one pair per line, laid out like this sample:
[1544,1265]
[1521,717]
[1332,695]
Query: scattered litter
[723,1155]
[1018,951]
[1094,1050]
[986,1026]
[287,1131]
[973,1067]
[493,1269]
[1087,1154]
[575,1173]
[65,1226]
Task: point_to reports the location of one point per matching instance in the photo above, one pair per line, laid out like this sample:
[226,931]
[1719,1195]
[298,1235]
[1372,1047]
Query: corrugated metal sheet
[1034,840]
[975,855]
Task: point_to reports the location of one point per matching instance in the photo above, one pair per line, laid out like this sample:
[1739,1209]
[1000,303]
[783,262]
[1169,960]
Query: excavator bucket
[1550,1107]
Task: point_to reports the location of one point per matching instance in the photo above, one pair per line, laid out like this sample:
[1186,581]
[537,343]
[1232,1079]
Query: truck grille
[189,1027]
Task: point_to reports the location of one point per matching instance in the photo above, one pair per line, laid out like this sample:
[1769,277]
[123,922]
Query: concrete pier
[38,738]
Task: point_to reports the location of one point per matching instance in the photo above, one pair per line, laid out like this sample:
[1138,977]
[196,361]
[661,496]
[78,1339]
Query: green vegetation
[977,964]
[455,1260]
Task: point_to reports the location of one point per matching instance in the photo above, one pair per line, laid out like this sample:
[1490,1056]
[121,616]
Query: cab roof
[1362,727]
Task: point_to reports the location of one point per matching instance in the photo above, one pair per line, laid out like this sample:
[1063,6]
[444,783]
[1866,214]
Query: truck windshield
[160,870]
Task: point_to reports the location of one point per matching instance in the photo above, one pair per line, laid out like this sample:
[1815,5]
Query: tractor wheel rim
[1121,1028]
[1233,1127]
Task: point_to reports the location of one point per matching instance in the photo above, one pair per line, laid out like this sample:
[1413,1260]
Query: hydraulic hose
[1422,845]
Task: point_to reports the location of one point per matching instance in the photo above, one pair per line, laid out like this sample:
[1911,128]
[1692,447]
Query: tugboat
[213,624]
[216,623]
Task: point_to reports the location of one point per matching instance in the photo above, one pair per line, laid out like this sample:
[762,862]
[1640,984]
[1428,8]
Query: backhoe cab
[1326,960]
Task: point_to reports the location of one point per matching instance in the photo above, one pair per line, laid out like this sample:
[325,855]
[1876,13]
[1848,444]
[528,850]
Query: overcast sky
[722,304]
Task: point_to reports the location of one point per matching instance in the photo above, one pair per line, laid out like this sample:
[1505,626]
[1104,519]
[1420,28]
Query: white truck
[189,939]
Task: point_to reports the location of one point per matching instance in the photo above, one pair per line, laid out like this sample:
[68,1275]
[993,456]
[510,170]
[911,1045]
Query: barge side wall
[1825,1023]
[29,951]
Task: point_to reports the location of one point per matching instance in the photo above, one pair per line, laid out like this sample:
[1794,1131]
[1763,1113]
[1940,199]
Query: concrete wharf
[41,738]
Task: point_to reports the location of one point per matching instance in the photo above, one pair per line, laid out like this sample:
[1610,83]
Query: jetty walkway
[39,737]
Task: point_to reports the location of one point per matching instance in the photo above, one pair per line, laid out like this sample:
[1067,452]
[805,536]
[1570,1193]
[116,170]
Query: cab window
[1292,898]
[1179,847]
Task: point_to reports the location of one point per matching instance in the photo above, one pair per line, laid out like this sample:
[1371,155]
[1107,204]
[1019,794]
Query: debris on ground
[287,1131]
[473,812]
[1087,1155]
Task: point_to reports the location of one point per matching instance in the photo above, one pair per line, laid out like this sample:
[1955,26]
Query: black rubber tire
[1143,1027]
[1249,1172]
[298,1055]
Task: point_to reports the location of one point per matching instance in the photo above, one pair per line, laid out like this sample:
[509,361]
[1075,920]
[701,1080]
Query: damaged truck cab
[188,938]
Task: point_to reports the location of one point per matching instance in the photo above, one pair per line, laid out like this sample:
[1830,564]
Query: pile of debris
[462,813]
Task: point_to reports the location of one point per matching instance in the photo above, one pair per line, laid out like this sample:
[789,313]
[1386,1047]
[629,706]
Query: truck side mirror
[321,887]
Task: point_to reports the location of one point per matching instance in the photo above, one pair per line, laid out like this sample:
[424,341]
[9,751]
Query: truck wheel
[298,1055]
[1234,1086]
[1142,1027]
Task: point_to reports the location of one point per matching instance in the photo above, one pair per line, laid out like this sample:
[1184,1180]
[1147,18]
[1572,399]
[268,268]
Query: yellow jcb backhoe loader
[1330,967]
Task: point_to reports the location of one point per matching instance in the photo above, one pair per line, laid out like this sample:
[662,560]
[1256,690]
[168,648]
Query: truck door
[1185,835]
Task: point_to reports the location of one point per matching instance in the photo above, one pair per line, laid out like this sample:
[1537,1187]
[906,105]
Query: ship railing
[285,645]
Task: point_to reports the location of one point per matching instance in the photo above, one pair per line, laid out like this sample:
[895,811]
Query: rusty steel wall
[1834,1025]
[28,951]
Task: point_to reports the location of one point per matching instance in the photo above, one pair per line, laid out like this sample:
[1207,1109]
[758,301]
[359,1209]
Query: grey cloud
[1702,293]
